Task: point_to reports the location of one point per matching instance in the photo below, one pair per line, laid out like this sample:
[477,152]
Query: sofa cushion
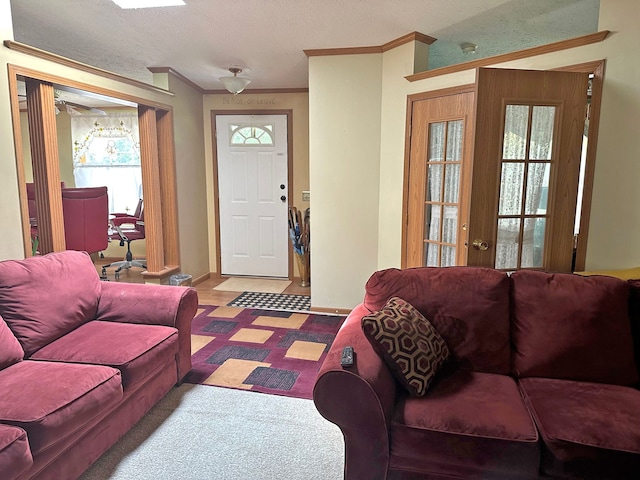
[410,346]
[15,456]
[136,350]
[572,327]
[468,306]
[470,422]
[51,400]
[42,298]
[10,349]
[589,430]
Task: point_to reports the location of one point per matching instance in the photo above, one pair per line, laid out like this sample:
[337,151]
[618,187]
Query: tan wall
[298,103]
[344,143]
[397,63]
[190,178]
[65,149]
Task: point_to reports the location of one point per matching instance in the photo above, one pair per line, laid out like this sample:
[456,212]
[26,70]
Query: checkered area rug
[260,350]
[272,301]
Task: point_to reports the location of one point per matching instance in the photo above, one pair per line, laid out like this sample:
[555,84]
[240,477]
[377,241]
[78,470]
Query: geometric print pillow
[410,346]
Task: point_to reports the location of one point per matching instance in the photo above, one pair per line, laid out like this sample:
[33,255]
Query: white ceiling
[202,39]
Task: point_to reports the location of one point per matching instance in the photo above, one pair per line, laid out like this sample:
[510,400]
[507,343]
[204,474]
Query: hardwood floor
[206,293]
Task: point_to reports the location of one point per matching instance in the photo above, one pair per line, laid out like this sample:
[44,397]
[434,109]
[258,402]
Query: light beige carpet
[244,284]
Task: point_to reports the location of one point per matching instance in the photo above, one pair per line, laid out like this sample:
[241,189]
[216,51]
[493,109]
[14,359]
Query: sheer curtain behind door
[442,205]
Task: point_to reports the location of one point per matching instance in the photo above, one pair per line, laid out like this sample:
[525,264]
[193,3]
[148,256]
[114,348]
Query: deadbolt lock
[480,244]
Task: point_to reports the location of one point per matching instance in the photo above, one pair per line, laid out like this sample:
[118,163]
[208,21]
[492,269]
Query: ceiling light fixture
[468,48]
[235,84]
[147,3]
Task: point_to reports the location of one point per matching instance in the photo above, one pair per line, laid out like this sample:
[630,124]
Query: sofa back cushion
[572,327]
[42,298]
[10,350]
[468,306]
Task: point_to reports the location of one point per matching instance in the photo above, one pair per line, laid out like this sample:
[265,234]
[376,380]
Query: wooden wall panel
[151,192]
[168,189]
[46,167]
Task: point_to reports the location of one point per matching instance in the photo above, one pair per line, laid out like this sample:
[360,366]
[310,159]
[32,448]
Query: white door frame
[291,191]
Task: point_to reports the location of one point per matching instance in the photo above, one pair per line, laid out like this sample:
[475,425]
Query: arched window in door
[251,135]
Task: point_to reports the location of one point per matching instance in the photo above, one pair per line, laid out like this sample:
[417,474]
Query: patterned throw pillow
[410,346]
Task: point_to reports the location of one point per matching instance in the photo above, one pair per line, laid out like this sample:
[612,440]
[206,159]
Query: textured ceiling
[202,39]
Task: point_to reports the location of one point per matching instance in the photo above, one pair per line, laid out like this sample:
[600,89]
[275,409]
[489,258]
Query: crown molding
[67,62]
[176,74]
[411,37]
[507,57]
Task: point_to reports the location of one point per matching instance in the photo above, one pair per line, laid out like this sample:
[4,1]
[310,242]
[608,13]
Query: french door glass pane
[542,120]
[432,222]
[511,183]
[431,254]
[436,141]
[442,195]
[448,256]
[507,243]
[515,132]
[450,224]
[454,141]
[524,186]
[452,182]
[537,188]
[533,242]
[434,183]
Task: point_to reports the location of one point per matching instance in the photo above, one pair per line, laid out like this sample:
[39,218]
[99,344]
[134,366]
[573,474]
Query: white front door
[253,194]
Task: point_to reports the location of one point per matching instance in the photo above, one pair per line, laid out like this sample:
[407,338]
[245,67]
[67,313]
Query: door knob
[283,198]
[480,244]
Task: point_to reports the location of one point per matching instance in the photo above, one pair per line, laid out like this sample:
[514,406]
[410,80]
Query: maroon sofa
[541,382]
[81,361]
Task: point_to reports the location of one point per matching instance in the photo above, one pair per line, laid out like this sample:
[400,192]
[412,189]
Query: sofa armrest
[152,304]
[359,400]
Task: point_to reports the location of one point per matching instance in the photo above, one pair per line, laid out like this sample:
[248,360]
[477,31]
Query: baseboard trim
[335,311]
[200,279]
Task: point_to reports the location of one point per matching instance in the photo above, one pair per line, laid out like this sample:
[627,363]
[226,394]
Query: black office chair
[127,229]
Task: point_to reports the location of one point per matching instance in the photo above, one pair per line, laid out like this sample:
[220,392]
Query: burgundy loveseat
[541,382]
[81,361]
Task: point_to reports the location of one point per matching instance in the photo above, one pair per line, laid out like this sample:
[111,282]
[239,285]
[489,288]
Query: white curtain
[513,189]
[449,133]
[106,151]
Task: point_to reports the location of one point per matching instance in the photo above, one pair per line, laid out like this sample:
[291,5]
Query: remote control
[347,357]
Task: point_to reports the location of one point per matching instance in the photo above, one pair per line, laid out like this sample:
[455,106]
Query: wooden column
[46,167]
[151,189]
[166,158]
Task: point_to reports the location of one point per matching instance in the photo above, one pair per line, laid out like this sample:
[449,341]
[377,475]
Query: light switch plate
[306,195]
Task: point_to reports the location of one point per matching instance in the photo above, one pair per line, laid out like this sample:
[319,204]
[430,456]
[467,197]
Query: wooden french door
[439,176]
[517,196]
[528,141]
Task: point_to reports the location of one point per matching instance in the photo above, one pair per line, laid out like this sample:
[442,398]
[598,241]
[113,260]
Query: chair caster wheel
[117,276]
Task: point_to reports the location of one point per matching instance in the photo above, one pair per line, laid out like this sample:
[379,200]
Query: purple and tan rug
[266,351]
